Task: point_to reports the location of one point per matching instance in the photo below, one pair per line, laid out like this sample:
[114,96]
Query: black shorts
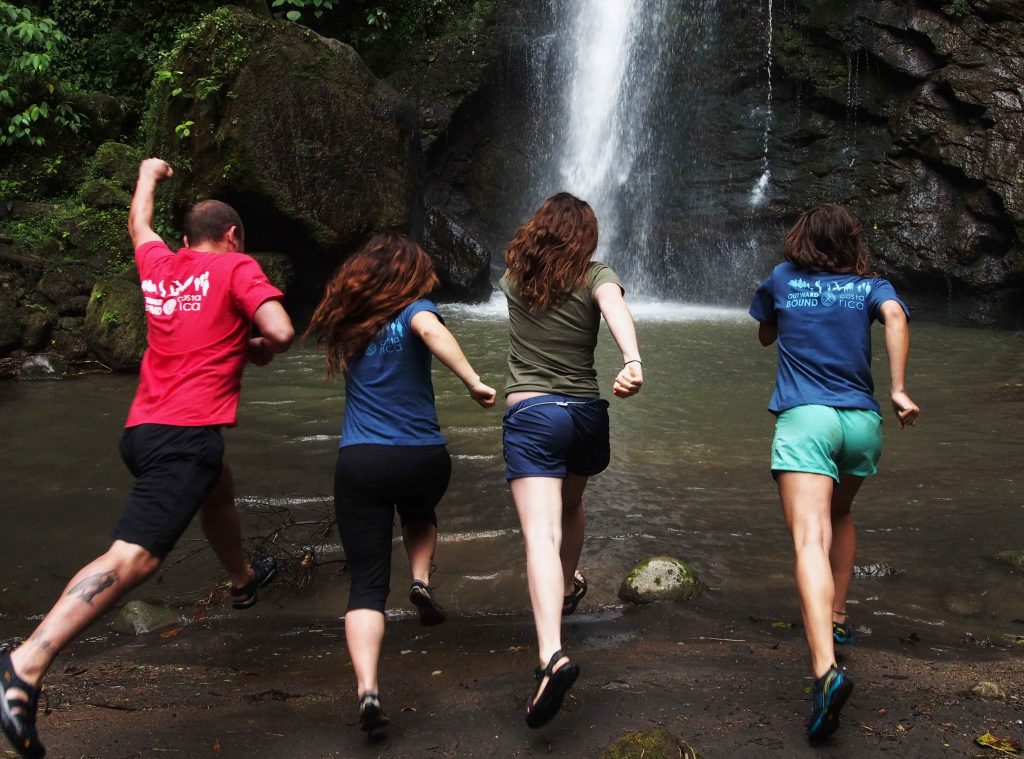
[175,468]
[371,483]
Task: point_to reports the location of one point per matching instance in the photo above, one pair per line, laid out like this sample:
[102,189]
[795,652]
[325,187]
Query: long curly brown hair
[549,256]
[827,238]
[369,289]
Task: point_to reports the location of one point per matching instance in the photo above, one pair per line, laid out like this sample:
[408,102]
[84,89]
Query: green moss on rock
[115,323]
[104,193]
[278,267]
[660,578]
[650,744]
[1013,559]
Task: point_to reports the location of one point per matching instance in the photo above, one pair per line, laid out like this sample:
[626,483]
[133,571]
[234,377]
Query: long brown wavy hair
[549,256]
[369,289]
[827,238]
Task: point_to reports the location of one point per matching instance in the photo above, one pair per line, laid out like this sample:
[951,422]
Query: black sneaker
[430,610]
[371,715]
[828,696]
[263,570]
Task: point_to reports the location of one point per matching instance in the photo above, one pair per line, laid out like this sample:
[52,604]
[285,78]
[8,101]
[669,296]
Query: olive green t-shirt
[553,351]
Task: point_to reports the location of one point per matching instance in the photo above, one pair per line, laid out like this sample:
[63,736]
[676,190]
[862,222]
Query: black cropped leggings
[371,482]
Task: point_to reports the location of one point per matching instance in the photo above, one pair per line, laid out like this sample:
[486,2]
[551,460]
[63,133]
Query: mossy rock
[290,128]
[278,267]
[37,322]
[660,578]
[1013,559]
[10,326]
[650,744]
[115,323]
[96,237]
[104,193]
[117,162]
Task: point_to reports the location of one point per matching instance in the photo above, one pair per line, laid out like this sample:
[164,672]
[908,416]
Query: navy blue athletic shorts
[556,435]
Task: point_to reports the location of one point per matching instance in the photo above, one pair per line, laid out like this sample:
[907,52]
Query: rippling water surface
[688,477]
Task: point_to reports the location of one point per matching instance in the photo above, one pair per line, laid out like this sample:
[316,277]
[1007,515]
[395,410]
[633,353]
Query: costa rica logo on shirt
[162,300]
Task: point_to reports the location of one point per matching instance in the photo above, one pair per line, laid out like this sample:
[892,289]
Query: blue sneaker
[828,696]
[842,633]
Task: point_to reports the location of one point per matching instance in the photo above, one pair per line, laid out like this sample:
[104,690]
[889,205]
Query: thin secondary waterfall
[758,194]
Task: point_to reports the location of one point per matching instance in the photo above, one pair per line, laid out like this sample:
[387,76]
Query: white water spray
[760,190]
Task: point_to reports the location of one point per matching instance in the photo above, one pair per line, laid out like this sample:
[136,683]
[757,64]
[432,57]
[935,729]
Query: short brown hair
[209,221]
[827,239]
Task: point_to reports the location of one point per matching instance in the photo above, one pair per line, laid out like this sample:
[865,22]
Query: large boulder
[289,127]
[463,263]
[115,323]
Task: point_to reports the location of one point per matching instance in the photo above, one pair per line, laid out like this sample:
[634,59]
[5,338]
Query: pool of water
[688,477]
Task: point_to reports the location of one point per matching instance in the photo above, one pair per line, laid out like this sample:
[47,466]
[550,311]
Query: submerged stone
[881,569]
[660,578]
[1013,559]
[139,618]
[650,744]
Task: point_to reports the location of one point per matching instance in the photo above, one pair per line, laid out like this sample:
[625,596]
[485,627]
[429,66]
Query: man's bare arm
[140,215]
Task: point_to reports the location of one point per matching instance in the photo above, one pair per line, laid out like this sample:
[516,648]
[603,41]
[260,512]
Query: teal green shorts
[826,440]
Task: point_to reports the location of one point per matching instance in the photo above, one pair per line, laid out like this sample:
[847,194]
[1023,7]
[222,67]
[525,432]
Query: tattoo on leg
[93,585]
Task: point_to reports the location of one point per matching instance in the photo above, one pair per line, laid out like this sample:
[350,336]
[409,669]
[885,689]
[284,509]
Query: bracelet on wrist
[633,361]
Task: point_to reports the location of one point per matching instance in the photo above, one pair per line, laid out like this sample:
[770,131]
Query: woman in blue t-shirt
[380,332]
[820,304]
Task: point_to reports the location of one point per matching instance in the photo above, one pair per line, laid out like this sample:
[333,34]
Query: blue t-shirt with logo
[389,396]
[824,323]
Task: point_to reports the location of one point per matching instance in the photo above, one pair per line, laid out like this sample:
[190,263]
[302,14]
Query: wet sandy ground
[259,684]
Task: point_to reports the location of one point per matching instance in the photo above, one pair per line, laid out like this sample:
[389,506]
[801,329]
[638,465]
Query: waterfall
[627,112]
[614,59]
[760,191]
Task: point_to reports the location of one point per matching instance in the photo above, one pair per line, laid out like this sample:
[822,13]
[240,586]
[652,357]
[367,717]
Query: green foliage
[958,8]
[114,47]
[111,318]
[30,99]
[294,10]
[184,129]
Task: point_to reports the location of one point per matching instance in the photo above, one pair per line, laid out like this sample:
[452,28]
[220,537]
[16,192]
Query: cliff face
[913,114]
[910,112]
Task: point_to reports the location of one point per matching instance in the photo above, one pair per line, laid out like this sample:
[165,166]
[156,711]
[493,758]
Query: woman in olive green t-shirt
[555,430]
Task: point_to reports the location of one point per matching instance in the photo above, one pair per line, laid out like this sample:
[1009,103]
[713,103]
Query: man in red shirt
[201,304]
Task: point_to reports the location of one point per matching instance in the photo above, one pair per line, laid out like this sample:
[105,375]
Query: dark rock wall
[912,113]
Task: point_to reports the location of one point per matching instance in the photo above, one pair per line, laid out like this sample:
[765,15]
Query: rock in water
[1014,559]
[463,263]
[139,618]
[44,366]
[650,744]
[881,569]
[115,322]
[660,578]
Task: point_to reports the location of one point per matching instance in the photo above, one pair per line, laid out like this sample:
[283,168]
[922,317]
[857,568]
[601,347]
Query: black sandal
[545,703]
[579,590]
[263,570]
[430,610]
[371,715]
[20,727]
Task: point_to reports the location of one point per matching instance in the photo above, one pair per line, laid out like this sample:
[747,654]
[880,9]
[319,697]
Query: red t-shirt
[199,309]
